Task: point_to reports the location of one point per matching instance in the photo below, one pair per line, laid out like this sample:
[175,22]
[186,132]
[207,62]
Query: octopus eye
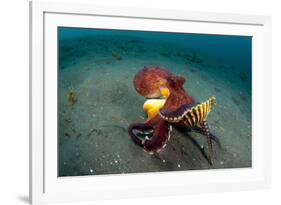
[172,82]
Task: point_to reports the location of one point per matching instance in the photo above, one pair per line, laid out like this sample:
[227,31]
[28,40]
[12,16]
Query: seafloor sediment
[93,136]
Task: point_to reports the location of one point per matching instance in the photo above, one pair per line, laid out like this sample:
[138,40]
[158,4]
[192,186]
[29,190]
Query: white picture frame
[46,187]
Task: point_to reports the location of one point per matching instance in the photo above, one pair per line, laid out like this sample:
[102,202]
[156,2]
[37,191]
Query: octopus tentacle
[160,137]
[205,127]
[212,136]
[188,113]
[192,116]
[175,115]
[140,132]
[151,138]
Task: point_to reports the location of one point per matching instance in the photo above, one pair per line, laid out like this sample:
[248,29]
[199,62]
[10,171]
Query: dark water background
[235,51]
[98,66]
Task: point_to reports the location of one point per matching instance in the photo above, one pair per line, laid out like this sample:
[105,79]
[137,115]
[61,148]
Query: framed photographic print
[130,102]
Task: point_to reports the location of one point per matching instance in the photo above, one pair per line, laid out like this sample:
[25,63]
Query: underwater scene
[142,101]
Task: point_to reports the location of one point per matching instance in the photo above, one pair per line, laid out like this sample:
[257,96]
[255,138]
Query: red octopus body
[154,133]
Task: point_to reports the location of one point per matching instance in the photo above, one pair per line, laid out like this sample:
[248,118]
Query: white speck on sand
[164,161]
[115,161]
[91,170]
[179,165]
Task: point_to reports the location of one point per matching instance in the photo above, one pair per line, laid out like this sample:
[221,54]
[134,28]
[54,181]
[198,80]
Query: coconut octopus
[171,105]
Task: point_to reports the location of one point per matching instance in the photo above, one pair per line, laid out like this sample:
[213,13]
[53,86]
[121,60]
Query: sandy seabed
[93,136]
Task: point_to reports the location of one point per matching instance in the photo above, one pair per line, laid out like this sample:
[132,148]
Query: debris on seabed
[179,165]
[91,170]
[115,161]
[163,160]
